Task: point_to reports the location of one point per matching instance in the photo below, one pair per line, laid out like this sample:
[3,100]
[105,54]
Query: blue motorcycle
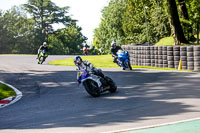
[95,85]
[123,59]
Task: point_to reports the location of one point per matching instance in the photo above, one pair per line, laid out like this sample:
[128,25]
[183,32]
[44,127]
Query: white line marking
[18,95]
[153,126]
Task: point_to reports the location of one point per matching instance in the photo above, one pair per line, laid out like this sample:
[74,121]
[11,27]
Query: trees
[125,21]
[22,35]
[16,32]
[68,40]
[45,13]
[111,26]
[194,15]
[176,28]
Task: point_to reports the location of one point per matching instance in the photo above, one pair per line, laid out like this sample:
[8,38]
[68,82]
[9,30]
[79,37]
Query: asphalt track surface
[53,103]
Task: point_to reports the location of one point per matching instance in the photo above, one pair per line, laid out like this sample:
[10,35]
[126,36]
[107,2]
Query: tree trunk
[176,28]
[183,9]
[184,15]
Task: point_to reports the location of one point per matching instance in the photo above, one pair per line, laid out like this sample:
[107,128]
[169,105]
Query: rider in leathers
[85,65]
[42,47]
[113,50]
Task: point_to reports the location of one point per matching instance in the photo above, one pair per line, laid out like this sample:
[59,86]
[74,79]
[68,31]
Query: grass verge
[169,41]
[97,61]
[103,61]
[6,91]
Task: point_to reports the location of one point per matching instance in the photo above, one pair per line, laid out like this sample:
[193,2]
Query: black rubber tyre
[196,48]
[183,48]
[169,53]
[41,59]
[183,53]
[190,49]
[129,65]
[183,58]
[92,88]
[176,53]
[113,86]
[169,48]
[190,54]
[176,48]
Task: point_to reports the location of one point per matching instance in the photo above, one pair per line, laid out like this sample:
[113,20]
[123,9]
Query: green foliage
[68,40]
[128,21]
[22,35]
[111,26]
[125,21]
[45,13]
[16,31]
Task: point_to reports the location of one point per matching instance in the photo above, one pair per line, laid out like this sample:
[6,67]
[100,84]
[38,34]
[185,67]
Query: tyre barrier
[170,57]
[176,52]
[183,56]
[165,56]
[147,56]
[156,56]
[160,57]
[196,58]
[190,58]
[164,53]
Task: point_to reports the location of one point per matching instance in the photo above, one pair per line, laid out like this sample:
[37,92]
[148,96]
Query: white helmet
[44,43]
[113,44]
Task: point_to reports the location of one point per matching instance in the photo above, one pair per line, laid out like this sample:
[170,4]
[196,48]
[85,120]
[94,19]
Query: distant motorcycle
[42,56]
[124,59]
[85,51]
[95,85]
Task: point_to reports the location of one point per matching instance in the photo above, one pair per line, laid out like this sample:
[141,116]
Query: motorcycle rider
[85,49]
[114,49]
[85,65]
[42,47]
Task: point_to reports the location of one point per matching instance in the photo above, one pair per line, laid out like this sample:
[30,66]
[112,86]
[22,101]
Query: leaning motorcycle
[124,59]
[95,85]
[42,56]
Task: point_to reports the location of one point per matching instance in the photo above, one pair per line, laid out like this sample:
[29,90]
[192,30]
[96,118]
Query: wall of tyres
[165,56]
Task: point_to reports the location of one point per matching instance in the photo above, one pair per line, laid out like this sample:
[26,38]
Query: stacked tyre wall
[165,56]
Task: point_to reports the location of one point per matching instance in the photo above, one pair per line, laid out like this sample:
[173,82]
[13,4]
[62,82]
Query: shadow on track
[53,99]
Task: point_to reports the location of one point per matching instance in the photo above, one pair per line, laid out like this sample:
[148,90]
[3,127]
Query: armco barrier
[165,56]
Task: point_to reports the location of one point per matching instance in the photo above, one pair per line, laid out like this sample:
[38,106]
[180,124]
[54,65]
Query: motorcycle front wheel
[113,86]
[42,59]
[128,65]
[92,88]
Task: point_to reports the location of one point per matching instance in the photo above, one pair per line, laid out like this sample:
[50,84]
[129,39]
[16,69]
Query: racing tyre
[113,86]
[42,59]
[92,88]
[129,65]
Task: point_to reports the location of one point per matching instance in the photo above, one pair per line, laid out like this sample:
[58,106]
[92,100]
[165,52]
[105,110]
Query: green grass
[97,61]
[102,61]
[6,91]
[167,41]
[17,54]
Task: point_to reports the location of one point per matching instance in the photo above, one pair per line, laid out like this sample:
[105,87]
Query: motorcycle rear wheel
[92,88]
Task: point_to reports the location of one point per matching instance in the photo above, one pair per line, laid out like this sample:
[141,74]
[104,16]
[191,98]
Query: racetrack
[53,103]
